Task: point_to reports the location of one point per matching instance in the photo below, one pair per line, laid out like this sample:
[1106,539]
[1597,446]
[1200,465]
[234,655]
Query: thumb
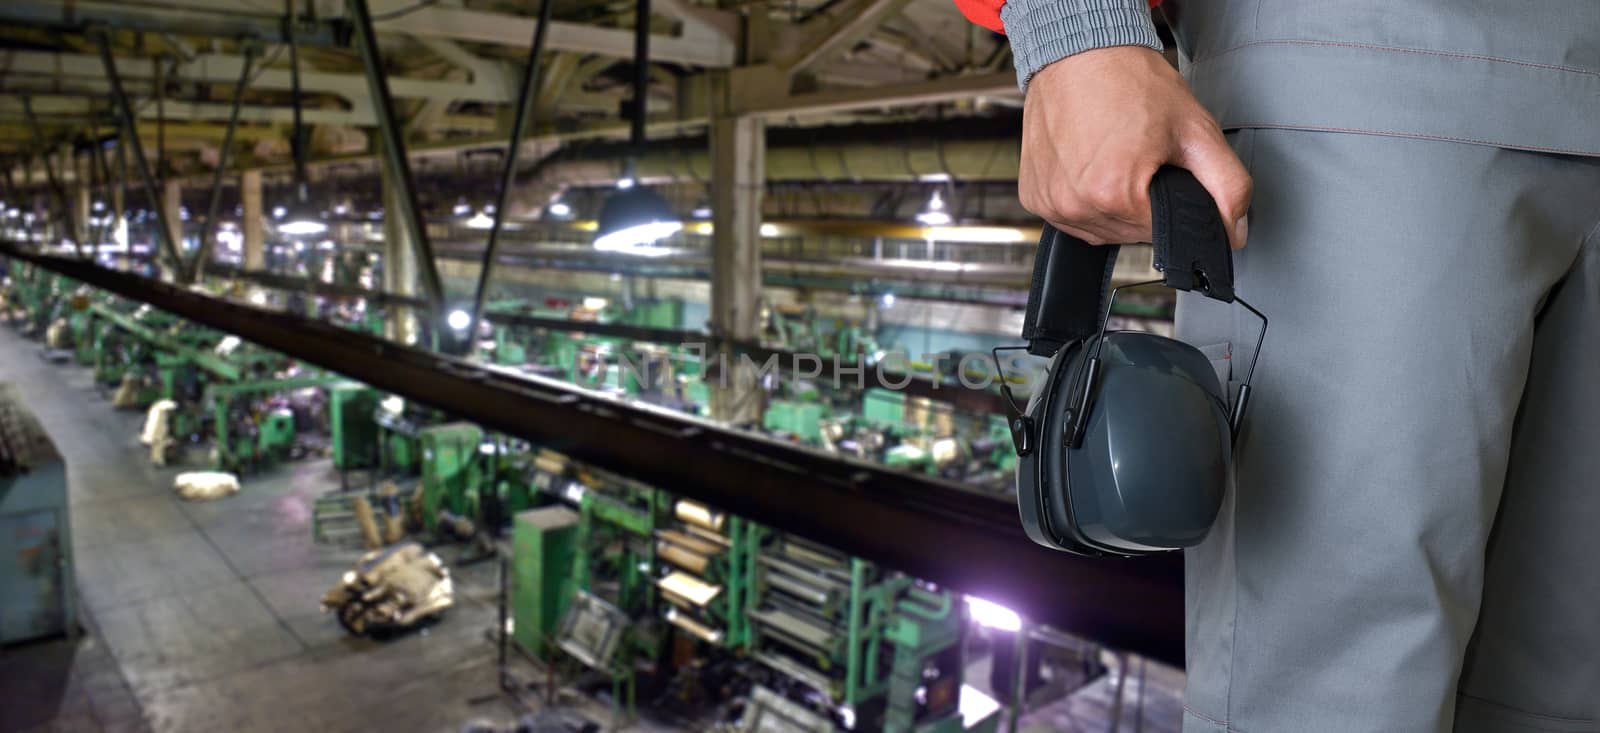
[1206,154]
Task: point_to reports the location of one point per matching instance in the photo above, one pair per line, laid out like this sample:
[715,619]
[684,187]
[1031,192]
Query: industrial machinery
[36,597]
[391,590]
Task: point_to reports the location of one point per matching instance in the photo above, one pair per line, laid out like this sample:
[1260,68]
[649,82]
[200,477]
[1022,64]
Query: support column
[250,226]
[738,180]
[81,212]
[399,264]
[172,205]
[118,234]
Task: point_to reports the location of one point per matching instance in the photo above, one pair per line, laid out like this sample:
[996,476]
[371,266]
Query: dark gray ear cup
[1151,470]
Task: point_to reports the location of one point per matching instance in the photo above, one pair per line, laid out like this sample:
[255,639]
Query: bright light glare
[299,246]
[480,220]
[993,615]
[634,238]
[258,298]
[769,230]
[975,706]
[594,304]
[458,320]
[341,209]
[934,215]
[701,212]
[462,208]
[302,227]
[888,300]
[278,212]
[975,235]
[560,208]
[625,183]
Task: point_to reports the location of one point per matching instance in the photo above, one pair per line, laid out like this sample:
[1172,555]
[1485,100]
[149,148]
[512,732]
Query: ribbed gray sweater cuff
[1043,32]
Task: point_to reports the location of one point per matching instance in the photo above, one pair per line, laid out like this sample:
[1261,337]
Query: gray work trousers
[1410,539]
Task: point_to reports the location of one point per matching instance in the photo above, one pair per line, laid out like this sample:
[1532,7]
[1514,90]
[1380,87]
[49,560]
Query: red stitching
[1399,49]
[1205,717]
[1420,135]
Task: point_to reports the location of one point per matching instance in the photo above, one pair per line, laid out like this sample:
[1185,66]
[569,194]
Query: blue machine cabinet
[36,591]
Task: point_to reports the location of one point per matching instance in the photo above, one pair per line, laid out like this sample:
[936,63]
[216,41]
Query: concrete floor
[203,616]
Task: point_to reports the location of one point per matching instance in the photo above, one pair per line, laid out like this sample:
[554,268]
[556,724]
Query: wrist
[1043,32]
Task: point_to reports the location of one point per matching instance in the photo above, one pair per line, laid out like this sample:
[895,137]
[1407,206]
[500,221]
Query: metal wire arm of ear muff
[1078,410]
[1021,425]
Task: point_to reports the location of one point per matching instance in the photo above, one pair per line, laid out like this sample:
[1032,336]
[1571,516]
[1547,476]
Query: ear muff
[1125,448]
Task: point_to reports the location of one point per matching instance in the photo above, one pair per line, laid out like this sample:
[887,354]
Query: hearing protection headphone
[1125,448]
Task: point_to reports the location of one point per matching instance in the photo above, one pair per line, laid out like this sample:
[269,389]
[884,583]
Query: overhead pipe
[899,152]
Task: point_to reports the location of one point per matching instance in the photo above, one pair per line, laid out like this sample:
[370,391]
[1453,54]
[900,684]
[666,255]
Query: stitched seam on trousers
[1419,135]
[1519,711]
[1233,631]
[1209,719]
[1402,49]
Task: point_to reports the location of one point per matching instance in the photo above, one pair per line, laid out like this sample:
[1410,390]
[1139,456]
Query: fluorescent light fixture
[769,230]
[993,615]
[458,320]
[301,228]
[975,235]
[481,220]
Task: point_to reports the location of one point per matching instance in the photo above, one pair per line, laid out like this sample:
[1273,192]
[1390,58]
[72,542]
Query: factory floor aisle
[203,616]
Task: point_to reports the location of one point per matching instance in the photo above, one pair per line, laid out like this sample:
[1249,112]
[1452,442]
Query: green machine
[248,435]
[802,420]
[451,471]
[353,432]
[544,549]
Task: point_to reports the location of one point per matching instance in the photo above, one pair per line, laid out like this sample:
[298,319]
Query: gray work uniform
[1409,544]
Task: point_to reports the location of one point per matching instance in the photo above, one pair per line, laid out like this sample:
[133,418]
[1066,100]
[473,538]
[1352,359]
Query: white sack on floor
[203,485]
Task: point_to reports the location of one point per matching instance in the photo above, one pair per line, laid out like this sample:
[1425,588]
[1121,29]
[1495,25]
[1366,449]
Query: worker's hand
[1095,128]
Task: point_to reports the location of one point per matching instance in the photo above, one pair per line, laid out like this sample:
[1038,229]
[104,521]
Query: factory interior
[534,365]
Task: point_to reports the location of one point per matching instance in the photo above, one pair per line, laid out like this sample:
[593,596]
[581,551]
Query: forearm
[1043,32]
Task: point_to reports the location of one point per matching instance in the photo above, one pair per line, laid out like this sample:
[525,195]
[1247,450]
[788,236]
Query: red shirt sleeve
[987,12]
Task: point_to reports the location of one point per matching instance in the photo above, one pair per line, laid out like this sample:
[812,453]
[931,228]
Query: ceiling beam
[704,49]
[948,89]
[829,34]
[81,15]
